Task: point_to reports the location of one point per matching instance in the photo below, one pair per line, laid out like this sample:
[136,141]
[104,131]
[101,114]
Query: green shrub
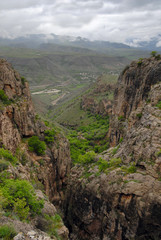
[112,163]
[49,135]
[54,223]
[159,104]
[121,139]
[47,124]
[101,148]
[139,63]
[88,157]
[78,147]
[23,159]
[153,53]
[148,100]
[4,98]
[87,174]
[4,175]
[37,146]
[121,118]
[115,162]
[21,155]
[89,137]
[114,151]
[139,115]
[41,161]
[102,165]
[20,194]
[7,232]
[23,80]
[158,153]
[21,208]
[37,117]
[131,169]
[7,155]
[2,201]
[3,165]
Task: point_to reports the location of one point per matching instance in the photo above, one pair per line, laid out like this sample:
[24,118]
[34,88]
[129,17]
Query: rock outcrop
[17,120]
[119,196]
[135,87]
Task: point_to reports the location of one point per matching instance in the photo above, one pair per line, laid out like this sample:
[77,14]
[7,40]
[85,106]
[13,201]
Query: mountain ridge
[35,41]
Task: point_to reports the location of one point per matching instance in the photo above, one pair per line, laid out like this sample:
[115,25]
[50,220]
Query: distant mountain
[153,44]
[53,47]
[36,41]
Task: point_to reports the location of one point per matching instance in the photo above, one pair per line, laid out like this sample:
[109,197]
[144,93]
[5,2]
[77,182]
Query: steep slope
[18,123]
[117,194]
[17,117]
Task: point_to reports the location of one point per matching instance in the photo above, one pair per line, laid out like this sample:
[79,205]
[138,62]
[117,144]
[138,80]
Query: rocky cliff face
[136,85]
[18,122]
[118,196]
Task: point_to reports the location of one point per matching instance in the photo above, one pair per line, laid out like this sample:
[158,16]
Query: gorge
[114,194]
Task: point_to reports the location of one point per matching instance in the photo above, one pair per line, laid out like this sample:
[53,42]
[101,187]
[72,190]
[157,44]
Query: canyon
[117,193]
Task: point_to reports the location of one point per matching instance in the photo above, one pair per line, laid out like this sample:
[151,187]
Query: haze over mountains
[38,41]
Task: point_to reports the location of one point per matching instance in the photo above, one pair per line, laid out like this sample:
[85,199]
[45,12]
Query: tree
[37,146]
[153,53]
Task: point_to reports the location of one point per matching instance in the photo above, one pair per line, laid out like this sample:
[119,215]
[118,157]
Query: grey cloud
[16,4]
[114,20]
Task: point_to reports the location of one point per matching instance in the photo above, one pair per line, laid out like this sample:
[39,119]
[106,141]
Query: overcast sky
[112,20]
